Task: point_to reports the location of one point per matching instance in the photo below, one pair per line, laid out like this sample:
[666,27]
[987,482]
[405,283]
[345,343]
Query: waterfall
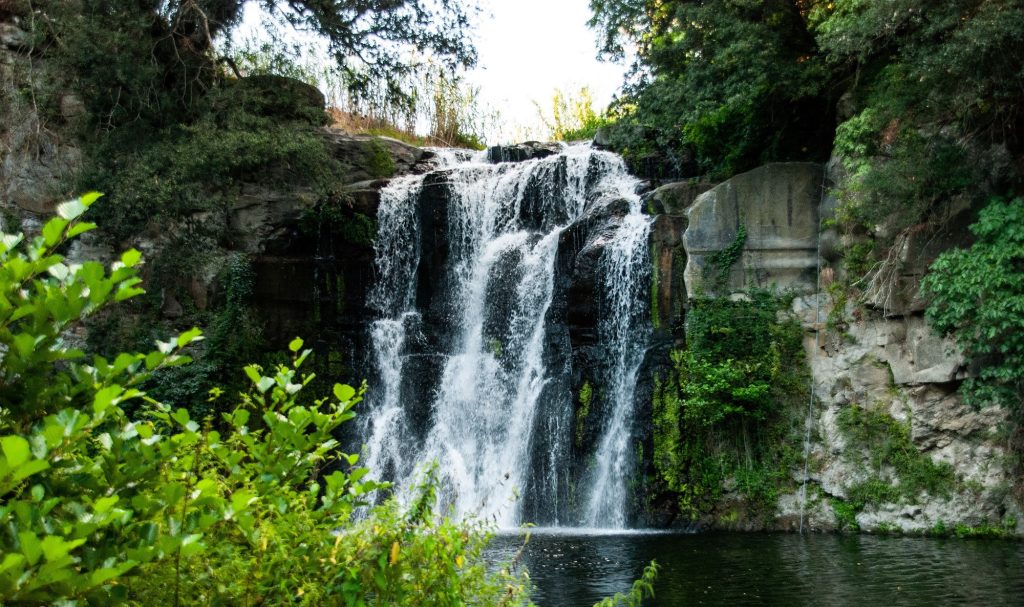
[622,331]
[466,279]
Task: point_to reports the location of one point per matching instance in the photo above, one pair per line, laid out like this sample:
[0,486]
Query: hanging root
[882,282]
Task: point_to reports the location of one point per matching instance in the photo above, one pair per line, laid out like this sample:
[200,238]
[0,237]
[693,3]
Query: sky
[527,49]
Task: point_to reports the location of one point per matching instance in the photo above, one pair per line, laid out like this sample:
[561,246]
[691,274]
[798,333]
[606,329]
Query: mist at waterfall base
[784,570]
[471,349]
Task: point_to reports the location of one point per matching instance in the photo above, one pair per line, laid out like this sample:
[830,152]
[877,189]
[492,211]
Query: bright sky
[529,48]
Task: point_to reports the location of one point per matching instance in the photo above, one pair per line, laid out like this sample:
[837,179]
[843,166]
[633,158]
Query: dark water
[766,569]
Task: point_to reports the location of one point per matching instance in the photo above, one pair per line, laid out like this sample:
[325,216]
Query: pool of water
[572,569]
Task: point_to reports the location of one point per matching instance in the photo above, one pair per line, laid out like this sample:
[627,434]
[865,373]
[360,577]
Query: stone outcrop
[882,357]
[901,369]
[522,151]
[777,205]
[38,156]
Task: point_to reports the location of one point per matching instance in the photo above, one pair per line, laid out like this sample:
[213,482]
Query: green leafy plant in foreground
[97,507]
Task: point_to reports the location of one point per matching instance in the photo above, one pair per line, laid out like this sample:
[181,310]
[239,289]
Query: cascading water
[622,333]
[480,339]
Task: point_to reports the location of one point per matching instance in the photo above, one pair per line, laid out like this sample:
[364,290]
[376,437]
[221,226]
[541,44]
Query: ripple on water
[576,569]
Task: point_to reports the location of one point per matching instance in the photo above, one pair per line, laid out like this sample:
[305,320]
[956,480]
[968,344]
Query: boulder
[777,204]
[367,158]
[675,198]
[522,151]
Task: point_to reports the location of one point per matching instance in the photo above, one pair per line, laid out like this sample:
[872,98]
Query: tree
[733,83]
[158,55]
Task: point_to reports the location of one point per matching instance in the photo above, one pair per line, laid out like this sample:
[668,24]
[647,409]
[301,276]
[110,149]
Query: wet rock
[522,151]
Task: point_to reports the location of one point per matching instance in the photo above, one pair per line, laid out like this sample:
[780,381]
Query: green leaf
[191,545]
[80,228]
[90,197]
[106,397]
[16,450]
[30,546]
[53,231]
[253,373]
[104,504]
[55,547]
[295,345]
[264,384]
[72,209]
[192,335]
[131,258]
[343,392]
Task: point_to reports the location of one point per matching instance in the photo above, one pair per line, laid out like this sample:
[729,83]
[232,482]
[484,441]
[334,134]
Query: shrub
[977,295]
[255,507]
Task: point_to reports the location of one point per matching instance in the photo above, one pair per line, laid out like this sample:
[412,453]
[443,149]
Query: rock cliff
[878,361]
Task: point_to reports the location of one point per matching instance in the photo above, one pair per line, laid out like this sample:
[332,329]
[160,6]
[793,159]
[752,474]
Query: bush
[977,295]
[716,412]
[253,508]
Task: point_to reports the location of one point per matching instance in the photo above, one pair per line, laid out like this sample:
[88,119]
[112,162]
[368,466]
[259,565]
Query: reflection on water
[572,570]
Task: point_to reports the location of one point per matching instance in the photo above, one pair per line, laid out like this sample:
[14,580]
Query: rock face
[898,368]
[37,155]
[883,360]
[777,206]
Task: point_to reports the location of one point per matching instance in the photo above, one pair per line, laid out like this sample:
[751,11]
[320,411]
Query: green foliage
[846,515]
[642,589]
[379,160]
[158,508]
[899,471]
[717,412]
[573,116]
[586,397]
[720,263]
[934,111]
[977,295]
[739,359]
[188,170]
[719,86]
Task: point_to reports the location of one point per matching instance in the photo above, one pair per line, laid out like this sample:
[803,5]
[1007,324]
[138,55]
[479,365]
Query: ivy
[720,263]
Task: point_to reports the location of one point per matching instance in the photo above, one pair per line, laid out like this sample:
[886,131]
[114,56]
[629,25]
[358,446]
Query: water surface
[570,569]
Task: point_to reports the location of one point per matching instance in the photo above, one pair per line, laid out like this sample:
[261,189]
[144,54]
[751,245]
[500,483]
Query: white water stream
[498,425]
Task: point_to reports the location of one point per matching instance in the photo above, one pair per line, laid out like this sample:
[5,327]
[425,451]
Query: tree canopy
[157,57]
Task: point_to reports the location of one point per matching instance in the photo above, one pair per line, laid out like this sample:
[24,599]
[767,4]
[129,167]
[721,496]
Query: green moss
[586,396]
[899,472]
[886,444]
[655,288]
[846,515]
[722,409]
[379,162]
[495,347]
